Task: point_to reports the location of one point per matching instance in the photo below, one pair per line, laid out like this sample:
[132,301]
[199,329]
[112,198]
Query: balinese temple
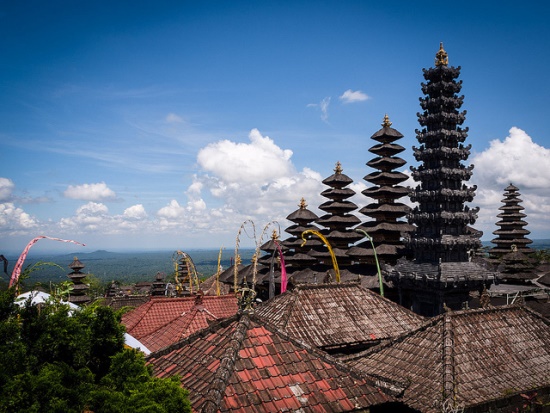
[270,266]
[385,227]
[298,257]
[338,220]
[442,273]
[512,232]
[516,267]
[79,290]
[158,288]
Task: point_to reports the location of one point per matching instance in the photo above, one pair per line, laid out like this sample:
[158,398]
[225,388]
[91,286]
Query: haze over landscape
[165,125]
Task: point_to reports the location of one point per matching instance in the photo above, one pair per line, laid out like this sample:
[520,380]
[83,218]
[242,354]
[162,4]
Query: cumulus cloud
[350,96]
[516,159]
[14,219]
[6,188]
[255,180]
[95,217]
[258,161]
[323,107]
[90,192]
[135,212]
[172,211]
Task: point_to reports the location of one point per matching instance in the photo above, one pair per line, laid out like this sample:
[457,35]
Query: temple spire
[441,57]
[386,123]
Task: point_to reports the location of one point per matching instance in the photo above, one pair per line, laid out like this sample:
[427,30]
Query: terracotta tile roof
[242,365]
[475,357]
[163,321]
[116,303]
[337,315]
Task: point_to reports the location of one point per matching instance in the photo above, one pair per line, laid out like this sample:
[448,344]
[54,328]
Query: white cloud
[323,107]
[90,192]
[95,217]
[516,159]
[14,219]
[350,96]
[255,180]
[258,161]
[522,162]
[171,216]
[135,212]
[6,188]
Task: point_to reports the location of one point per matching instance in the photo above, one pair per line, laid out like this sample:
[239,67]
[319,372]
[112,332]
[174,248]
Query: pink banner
[19,264]
[283,268]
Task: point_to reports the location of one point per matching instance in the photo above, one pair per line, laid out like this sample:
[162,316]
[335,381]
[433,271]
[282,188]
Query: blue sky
[166,124]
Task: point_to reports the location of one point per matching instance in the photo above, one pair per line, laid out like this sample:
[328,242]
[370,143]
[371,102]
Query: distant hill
[127,267]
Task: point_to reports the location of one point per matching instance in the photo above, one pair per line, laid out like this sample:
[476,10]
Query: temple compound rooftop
[486,360]
[241,364]
[163,321]
[338,318]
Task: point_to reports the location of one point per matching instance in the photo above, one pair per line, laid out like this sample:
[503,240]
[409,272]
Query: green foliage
[96,287]
[130,387]
[541,256]
[54,359]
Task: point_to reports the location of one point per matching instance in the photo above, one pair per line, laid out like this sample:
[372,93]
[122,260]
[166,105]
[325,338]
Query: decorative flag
[19,264]
[283,268]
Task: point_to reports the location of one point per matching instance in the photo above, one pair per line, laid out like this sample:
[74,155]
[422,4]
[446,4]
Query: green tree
[54,359]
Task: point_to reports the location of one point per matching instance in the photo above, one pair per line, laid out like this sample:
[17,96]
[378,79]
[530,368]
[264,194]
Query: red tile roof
[475,357]
[332,316]
[164,321]
[242,365]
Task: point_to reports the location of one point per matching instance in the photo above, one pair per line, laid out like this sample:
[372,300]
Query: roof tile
[481,354]
[263,378]
[163,321]
[331,316]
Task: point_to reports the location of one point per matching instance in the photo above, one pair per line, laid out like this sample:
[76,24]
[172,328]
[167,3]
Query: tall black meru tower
[441,274]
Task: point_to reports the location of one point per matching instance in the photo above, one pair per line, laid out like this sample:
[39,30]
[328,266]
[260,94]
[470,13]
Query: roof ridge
[141,309]
[491,309]
[186,318]
[449,386]
[216,391]
[348,284]
[534,313]
[288,310]
[430,322]
[220,323]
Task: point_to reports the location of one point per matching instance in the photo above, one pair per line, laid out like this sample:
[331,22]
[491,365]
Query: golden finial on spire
[386,123]
[441,57]
[338,168]
[302,203]
[274,235]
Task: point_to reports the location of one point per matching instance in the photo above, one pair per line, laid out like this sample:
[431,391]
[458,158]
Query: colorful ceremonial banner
[283,268]
[19,264]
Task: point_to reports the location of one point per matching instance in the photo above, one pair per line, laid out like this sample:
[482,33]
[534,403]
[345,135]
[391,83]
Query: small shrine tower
[512,231]
[442,274]
[78,293]
[338,220]
[298,256]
